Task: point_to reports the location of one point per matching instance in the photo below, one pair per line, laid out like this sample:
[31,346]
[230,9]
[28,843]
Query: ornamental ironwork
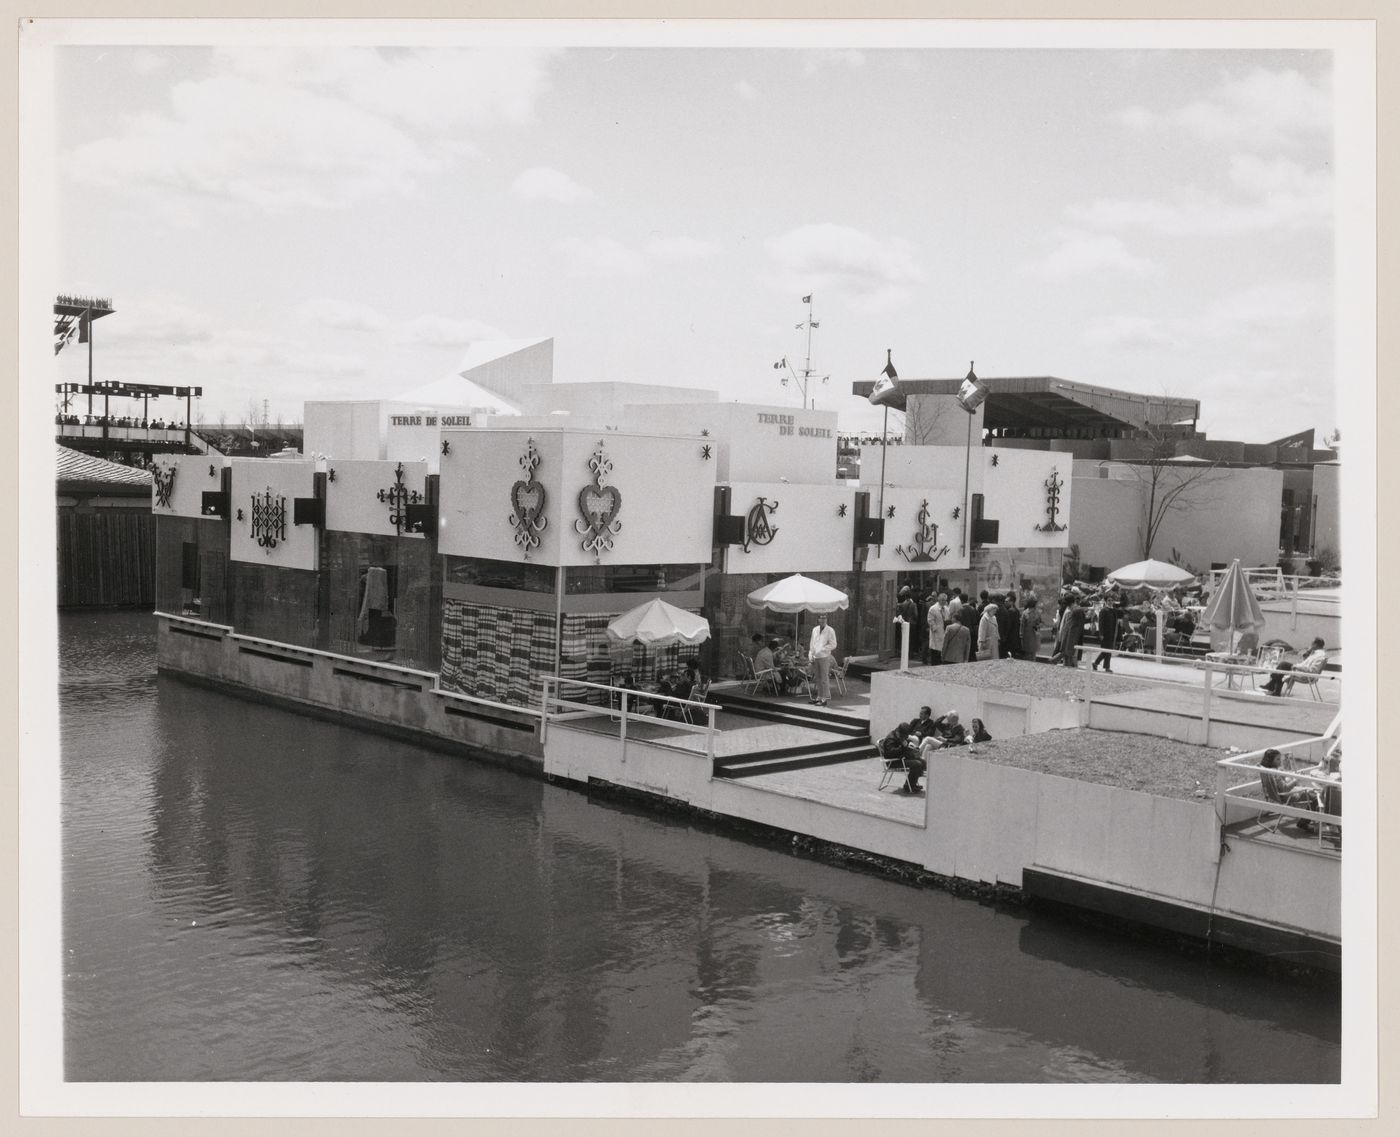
[841,510]
[399,498]
[1053,485]
[164,479]
[599,505]
[925,548]
[527,499]
[757,530]
[268,519]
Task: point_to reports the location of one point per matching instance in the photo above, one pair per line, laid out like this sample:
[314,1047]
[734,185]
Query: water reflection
[251,894]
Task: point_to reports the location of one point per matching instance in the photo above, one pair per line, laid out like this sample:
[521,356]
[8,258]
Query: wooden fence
[106,559]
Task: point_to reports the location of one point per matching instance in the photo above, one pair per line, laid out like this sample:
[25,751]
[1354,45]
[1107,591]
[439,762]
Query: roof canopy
[1045,401]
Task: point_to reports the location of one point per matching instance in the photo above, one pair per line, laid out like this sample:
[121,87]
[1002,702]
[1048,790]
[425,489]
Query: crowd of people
[116,420]
[953,627]
[912,742]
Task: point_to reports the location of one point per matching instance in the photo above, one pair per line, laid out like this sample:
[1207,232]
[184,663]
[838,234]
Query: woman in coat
[1076,616]
[988,638]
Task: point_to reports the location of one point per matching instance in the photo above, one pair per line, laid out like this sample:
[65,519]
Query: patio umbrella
[798,594]
[1233,607]
[1150,574]
[660,624]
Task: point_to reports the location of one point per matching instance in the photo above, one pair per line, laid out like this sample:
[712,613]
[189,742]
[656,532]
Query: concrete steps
[828,719]
[792,758]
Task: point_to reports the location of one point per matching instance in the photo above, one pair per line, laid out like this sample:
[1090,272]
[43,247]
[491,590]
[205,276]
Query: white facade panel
[192,480]
[352,499]
[753,443]
[653,497]
[1017,494]
[264,489]
[808,532]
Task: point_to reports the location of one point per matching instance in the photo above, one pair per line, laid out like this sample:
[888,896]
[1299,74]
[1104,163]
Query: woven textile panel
[501,654]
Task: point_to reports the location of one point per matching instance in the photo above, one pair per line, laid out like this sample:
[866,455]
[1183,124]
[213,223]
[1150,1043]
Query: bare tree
[921,419]
[1170,486]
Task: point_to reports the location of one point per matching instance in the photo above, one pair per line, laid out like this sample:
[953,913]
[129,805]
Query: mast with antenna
[803,381]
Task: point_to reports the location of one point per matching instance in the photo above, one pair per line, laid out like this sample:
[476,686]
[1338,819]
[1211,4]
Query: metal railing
[1249,795]
[622,705]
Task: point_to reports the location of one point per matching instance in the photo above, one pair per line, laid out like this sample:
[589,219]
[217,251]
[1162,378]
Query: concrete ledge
[1291,946]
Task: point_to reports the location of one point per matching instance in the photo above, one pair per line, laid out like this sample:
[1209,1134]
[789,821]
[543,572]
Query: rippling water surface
[254,895]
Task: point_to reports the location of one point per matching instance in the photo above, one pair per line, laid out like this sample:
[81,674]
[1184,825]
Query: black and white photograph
[776,568]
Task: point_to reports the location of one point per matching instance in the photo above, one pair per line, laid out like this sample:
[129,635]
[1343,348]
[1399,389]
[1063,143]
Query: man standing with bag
[820,652]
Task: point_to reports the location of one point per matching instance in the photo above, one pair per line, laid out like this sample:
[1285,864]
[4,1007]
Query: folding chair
[770,675]
[838,674]
[698,695]
[894,766]
[1308,679]
[1269,782]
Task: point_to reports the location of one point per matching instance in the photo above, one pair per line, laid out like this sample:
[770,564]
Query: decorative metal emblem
[1053,485]
[599,504]
[705,452]
[925,547]
[399,497]
[164,478]
[841,510]
[446,446]
[330,474]
[889,511]
[213,470]
[996,459]
[957,512]
[269,519]
[757,531]
[527,500]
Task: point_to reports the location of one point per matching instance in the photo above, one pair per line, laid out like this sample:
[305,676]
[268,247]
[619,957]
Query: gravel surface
[1040,679]
[1111,758]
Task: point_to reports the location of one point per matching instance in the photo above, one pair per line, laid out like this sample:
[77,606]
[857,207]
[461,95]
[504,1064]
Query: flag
[84,323]
[807,299]
[972,392]
[886,392]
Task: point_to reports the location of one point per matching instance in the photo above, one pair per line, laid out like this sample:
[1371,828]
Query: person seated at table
[763,659]
[792,667]
[897,745]
[1287,790]
[1310,664]
[977,732]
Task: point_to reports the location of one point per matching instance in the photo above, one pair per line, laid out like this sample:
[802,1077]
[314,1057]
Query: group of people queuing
[792,670]
[954,628]
[912,742]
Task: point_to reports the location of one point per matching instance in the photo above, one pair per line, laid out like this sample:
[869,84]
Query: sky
[341,222]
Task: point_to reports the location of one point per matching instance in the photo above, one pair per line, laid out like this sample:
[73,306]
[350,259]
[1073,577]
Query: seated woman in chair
[1287,790]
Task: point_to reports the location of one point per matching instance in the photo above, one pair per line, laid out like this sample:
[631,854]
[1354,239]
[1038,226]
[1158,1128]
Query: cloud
[1262,110]
[599,257]
[154,321]
[1080,254]
[747,91]
[1129,332]
[680,248]
[343,315]
[281,129]
[443,331]
[876,274]
[1274,194]
[541,183]
[325,363]
[1273,304]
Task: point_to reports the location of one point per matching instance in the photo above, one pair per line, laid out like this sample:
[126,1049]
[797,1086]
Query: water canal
[254,895]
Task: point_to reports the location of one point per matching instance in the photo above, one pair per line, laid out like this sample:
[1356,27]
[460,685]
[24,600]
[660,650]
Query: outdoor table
[1234,661]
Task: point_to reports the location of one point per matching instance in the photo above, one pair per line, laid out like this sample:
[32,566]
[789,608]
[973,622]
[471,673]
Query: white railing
[1249,794]
[623,706]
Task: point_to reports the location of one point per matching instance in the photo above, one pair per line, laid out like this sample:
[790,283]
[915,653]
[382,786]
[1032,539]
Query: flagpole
[967,469]
[884,447]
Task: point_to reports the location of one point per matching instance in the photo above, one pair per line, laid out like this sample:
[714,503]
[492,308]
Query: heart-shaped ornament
[527,498]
